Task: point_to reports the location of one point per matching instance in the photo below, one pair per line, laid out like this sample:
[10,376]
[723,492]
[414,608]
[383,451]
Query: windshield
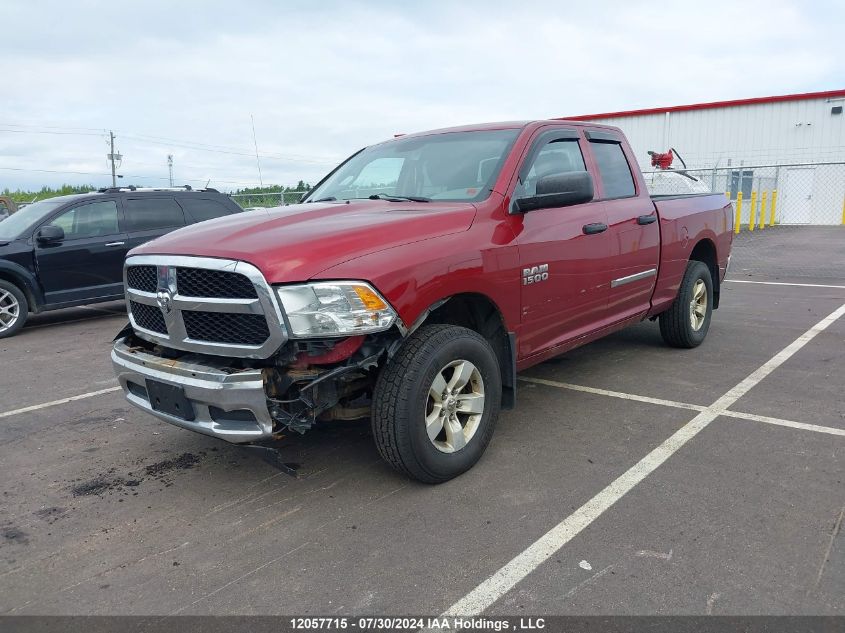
[454,166]
[17,224]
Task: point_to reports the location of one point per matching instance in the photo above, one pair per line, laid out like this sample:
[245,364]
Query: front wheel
[436,403]
[687,320]
[13,309]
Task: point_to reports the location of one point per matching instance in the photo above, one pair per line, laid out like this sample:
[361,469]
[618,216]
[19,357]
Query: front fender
[26,281]
[414,277]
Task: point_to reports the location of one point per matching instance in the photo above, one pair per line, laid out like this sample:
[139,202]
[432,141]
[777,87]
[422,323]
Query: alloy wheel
[698,305]
[454,406]
[10,310]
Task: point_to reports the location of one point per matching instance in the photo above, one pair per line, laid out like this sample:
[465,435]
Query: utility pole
[170,167]
[113,157]
[255,142]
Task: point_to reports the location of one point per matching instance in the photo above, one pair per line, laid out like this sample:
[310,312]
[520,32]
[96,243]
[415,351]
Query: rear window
[144,214]
[616,178]
[201,209]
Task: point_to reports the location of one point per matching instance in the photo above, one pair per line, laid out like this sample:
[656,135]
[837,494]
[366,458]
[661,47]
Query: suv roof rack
[134,188]
[116,189]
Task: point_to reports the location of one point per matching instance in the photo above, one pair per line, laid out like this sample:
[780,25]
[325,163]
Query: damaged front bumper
[224,403]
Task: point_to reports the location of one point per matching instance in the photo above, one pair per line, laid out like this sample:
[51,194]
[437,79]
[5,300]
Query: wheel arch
[26,284]
[705,252]
[478,312]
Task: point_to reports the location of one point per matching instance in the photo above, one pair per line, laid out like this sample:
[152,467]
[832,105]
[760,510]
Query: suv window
[89,220]
[616,178]
[558,156]
[144,214]
[201,209]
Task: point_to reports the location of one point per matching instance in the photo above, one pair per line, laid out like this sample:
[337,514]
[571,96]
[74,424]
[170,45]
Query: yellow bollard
[752,217]
[843,211]
[763,202]
[772,207]
[738,212]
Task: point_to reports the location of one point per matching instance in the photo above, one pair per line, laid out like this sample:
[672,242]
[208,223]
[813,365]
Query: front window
[18,224]
[89,220]
[558,156]
[454,166]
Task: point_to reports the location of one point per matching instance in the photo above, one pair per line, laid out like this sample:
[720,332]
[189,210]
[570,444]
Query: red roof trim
[715,104]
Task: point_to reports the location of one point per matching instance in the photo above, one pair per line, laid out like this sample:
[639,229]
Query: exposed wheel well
[705,252]
[24,288]
[477,312]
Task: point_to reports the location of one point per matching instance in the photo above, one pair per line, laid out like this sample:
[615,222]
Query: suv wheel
[436,403]
[14,309]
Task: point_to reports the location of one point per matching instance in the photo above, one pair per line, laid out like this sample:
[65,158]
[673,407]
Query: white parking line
[507,577]
[781,283]
[788,423]
[54,403]
[684,405]
[613,394]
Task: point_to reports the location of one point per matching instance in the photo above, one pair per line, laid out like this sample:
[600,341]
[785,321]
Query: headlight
[339,308]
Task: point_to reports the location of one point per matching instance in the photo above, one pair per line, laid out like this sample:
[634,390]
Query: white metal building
[785,143]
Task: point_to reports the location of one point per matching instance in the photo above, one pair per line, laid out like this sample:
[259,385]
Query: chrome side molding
[651,272]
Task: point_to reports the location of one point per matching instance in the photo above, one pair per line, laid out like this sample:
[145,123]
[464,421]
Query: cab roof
[502,125]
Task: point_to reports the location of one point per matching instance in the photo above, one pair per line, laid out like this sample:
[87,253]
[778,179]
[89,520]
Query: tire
[686,322]
[14,309]
[430,359]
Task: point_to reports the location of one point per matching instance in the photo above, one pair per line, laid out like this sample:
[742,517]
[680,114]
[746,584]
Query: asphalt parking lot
[631,479]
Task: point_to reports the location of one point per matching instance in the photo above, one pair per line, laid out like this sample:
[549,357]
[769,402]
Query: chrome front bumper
[227,405]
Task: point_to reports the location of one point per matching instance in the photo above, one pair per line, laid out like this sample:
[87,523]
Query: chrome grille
[240,329]
[142,278]
[148,317]
[199,282]
[201,304]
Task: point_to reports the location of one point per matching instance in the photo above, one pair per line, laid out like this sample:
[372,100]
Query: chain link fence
[766,195]
[762,195]
[250,201]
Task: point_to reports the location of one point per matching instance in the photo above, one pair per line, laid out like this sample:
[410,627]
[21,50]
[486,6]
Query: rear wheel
[686,322]
[436,403]
[14,309]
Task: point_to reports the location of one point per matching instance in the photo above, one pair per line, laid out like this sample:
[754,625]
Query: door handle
[595,227]
[646,219]
[116,244]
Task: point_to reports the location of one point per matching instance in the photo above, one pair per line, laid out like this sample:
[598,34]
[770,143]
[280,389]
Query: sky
[322,79]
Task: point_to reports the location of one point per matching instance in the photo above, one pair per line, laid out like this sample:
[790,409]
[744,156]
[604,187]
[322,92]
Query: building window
[741,181]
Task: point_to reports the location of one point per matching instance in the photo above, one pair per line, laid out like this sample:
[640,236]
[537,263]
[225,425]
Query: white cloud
[324,80]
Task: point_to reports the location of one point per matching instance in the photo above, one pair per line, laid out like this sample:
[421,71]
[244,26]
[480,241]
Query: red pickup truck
[411,285]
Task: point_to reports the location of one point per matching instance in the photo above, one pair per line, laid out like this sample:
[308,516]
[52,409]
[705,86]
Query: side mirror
[559,190]
[50,234]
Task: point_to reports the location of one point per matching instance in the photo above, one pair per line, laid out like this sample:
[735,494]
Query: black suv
[69,251]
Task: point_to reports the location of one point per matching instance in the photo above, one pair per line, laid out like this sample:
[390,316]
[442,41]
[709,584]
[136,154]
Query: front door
[88,262]
[563,252]
[796,198]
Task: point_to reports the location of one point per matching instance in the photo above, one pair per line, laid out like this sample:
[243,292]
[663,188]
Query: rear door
[88,262]
[149,217]
[565,273]
[633,226]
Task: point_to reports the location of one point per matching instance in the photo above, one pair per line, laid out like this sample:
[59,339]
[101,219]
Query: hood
[295,243]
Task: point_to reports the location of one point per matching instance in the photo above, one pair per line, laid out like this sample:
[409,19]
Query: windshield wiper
[329,199]
[383,196]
